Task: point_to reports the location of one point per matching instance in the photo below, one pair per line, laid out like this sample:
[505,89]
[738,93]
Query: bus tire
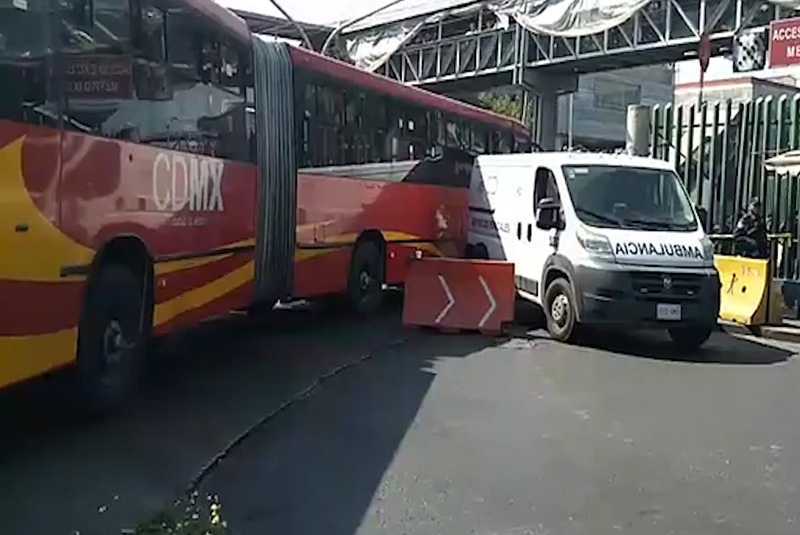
[365,283]
[690,338]
[560,311]
[112,341]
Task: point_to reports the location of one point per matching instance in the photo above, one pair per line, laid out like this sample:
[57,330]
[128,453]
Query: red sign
[94,76]
[784,48]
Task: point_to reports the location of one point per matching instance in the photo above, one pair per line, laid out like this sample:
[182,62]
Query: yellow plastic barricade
[745,291]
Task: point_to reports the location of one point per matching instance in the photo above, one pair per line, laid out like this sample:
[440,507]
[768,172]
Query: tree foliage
[508,105]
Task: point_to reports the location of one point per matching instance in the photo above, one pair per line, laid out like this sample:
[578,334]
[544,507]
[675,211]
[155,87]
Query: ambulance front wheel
[559,309]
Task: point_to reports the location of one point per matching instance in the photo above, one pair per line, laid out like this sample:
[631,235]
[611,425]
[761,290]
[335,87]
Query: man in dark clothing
[750,234]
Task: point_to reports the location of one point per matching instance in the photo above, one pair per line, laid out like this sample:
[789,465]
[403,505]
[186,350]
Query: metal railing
[783,260]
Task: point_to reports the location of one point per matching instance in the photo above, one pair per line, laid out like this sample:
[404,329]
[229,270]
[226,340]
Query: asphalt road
[348,427]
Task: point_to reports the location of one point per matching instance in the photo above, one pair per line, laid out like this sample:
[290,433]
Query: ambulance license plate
[668,312]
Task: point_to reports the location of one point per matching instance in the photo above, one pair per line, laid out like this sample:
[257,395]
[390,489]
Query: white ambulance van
[597,239]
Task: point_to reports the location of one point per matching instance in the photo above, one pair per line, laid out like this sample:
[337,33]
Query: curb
[771,332]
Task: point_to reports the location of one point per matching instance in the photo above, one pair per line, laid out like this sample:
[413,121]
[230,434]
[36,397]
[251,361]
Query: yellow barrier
[745,292]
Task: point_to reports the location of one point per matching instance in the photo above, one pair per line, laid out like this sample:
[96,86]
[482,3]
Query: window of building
[612,95]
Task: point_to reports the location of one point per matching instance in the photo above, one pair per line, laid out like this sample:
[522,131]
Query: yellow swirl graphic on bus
[39,253]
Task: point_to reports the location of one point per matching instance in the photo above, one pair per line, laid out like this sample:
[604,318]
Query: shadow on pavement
[206,387]
[721,348]
[318,467]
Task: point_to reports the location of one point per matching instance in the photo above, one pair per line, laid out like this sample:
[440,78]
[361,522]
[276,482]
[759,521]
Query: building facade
[599,107]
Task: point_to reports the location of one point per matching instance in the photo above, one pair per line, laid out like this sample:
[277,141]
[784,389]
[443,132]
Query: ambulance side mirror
[548,214]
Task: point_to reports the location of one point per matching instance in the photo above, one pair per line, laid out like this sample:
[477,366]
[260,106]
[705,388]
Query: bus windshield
[629,197]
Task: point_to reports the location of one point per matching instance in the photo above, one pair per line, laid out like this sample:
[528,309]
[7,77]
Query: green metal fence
[719,149]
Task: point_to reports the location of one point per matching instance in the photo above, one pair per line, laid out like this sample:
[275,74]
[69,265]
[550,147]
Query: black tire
[112,340]
[365,284]
[690,338]
[559,309]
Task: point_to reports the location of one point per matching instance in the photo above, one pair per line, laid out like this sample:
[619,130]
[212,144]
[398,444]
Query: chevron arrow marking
[492,302]
[450,300]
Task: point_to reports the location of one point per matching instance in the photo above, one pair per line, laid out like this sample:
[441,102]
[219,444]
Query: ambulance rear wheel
[365,285]
[690,338]
[111,345]
[559,309]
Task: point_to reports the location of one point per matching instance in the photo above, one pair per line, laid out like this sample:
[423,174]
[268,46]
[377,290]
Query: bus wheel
[365,285]
[111,342]
[559,308]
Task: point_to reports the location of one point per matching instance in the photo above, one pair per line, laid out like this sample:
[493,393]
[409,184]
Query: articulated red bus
[160,165]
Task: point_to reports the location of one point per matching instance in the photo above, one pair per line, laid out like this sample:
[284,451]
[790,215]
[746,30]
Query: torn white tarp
[369,49]
[568,18]
[372,47]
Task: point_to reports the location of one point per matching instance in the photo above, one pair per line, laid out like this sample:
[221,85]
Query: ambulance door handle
[519,231]
[21,227]
[530,232]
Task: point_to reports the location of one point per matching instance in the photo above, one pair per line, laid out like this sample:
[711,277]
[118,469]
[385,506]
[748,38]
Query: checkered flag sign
[750,51]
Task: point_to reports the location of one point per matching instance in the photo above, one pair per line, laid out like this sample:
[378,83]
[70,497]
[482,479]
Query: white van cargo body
[597,239]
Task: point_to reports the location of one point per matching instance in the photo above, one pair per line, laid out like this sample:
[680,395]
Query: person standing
[750,235]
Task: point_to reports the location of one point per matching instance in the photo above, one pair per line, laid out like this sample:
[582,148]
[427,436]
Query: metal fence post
[666,137]
[723,165]
[655,120]
[745,113]
[687,170]
[713,197]
[677,125]
[701,155]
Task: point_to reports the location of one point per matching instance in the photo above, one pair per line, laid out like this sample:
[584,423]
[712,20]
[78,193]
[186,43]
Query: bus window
[151,33]
[458,136]
[190,98]
[479,139]
[375,125]
[435,130]
[506,143]
[26,93]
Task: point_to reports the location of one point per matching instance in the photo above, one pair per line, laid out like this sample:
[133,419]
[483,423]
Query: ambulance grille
[655,286]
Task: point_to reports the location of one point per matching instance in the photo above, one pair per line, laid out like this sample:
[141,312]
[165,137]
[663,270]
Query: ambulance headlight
[596,245]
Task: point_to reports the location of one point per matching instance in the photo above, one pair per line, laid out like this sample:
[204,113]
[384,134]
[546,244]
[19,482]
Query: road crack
[301,395]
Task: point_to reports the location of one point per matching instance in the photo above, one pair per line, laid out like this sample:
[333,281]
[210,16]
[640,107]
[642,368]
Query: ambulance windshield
[629,197]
